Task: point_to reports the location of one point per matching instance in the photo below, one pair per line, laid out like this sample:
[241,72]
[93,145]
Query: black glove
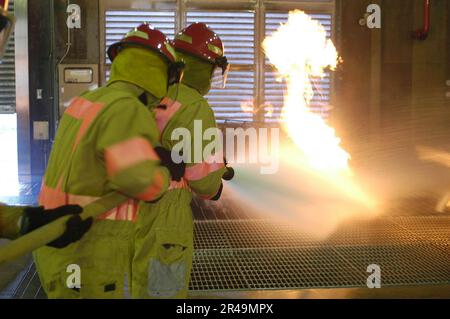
[3,21]
[35,217]
[219,194]
[229,174]
[176,170]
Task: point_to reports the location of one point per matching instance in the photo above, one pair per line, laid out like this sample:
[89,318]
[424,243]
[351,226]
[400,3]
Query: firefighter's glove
[36,217]
[176,170]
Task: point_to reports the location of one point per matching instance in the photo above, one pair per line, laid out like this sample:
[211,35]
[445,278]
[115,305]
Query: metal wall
[389,83]
[41,35]
[22,87]
[84,48]
[41,79]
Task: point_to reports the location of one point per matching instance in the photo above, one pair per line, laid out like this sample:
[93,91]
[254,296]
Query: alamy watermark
[374,279]
[372,17]
[242,146]
[74,279]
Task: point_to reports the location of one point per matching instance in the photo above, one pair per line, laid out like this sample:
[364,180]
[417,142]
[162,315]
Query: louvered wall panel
[7,75]
[237,31]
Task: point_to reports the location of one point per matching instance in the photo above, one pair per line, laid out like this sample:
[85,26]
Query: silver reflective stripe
[137,33]
[166,281]
[215,49]
[126,287]
[184,37]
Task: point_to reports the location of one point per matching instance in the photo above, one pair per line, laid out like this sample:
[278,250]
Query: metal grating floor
[236,252]
[26,286]
[256,254]
[258,233]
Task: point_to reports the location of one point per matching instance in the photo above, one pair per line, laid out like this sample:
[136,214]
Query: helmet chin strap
[222,62]
[176,72]
[143,98]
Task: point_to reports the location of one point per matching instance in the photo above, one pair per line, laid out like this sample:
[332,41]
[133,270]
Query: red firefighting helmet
[200,41]
[148,37]
[4,5]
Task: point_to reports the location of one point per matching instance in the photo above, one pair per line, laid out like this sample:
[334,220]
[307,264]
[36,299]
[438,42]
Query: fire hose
[43,235]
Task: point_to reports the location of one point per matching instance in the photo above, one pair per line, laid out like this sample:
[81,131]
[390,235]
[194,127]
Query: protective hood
[197,73]
[142,67]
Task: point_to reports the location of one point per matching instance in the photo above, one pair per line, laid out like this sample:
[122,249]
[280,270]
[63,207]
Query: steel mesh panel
[264,255]
[290,268]
[381,231]
[29,286]
[210,235]
[402,265]
[251,233]
[224,209]
[428,229]
[287,268]
[250,255]
[216,270]
[260,233]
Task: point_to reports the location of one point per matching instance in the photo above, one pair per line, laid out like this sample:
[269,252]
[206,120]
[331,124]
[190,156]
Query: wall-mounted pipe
[422,34]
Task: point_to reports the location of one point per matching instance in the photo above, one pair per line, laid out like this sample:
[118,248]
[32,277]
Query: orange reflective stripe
[201,170]
[163,115]
[206,196]
[52,198]
[124,212]
[154,190]
[179,185]
[85,110]
[78,107]
[127,154]
[81,200]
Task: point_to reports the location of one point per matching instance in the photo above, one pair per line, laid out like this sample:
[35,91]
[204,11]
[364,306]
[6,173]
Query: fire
[250,107]
[314,188]
[269,110]
[300,51]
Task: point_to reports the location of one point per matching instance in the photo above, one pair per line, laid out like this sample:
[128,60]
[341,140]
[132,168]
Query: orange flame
[250,107]
[300,51]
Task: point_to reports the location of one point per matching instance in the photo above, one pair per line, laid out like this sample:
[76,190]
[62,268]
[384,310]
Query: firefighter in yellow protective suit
[164,231]
[105,143]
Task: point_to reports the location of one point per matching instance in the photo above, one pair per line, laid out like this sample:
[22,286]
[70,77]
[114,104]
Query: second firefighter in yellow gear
[164,230]
[105,143]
